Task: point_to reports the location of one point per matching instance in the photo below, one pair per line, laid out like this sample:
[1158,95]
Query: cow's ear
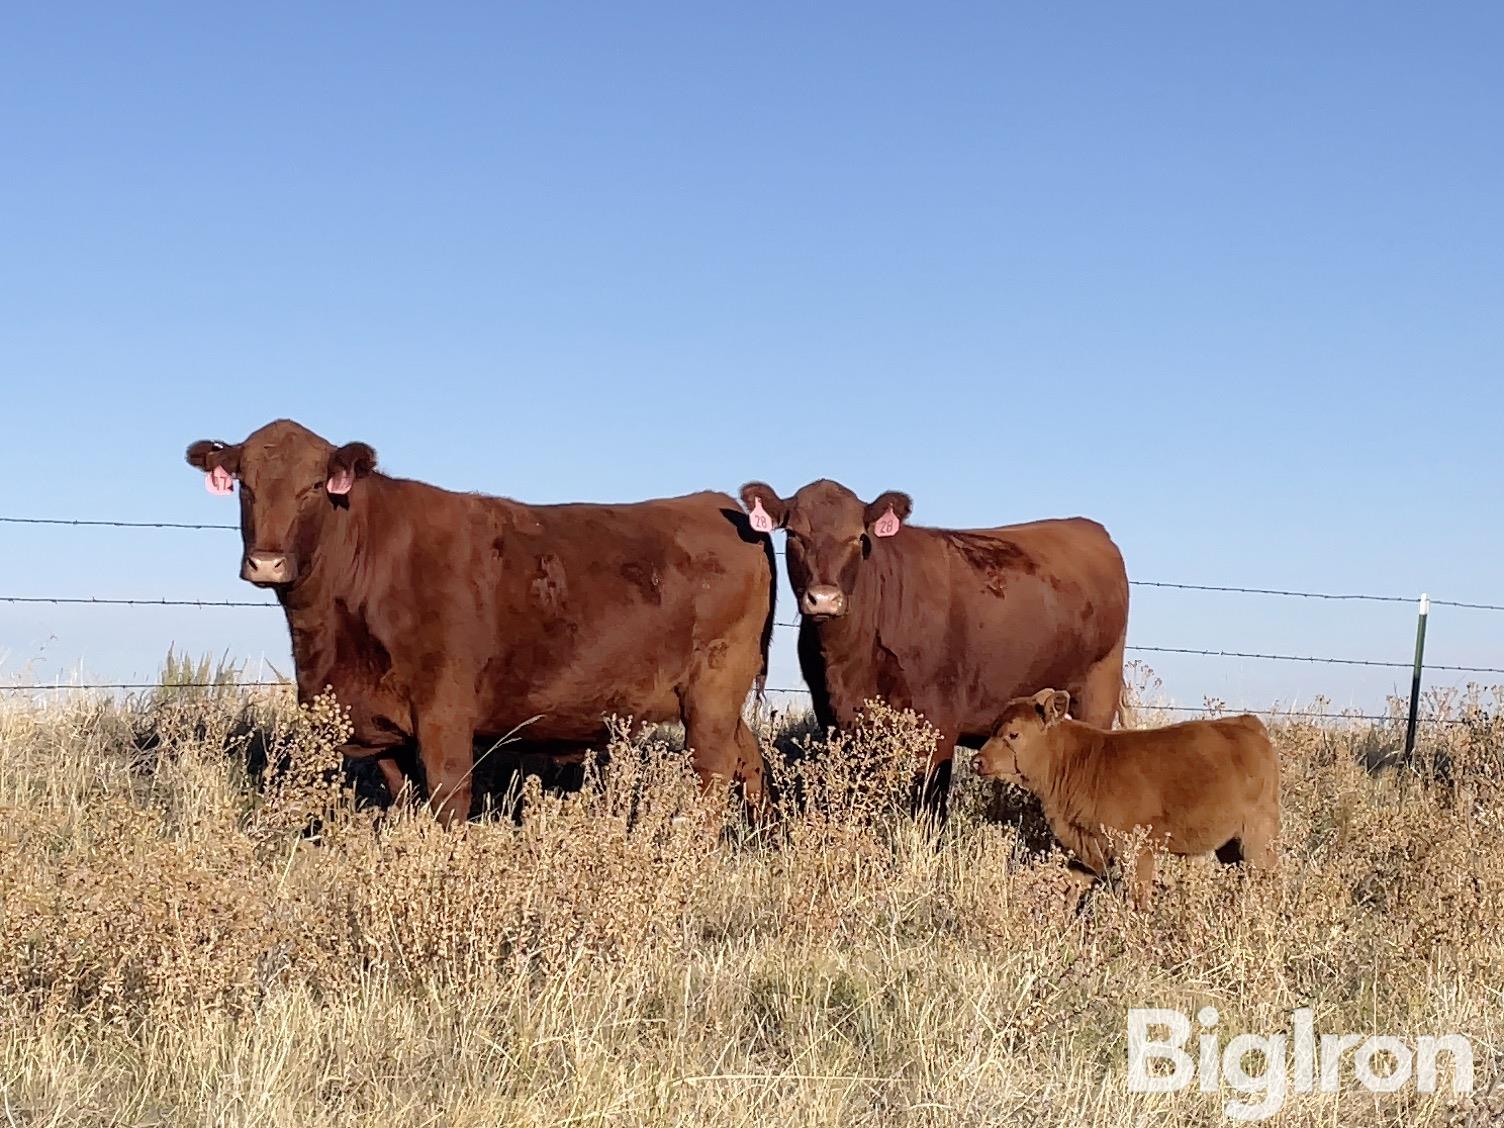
[351,461]
[886,515]
[219,462]
[206,454]
[1052,705]
[765,508]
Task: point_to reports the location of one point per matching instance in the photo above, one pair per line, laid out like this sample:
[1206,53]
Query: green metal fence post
[1420,655]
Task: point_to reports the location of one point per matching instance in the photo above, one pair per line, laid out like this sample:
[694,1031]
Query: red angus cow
[438,617]
[951,623]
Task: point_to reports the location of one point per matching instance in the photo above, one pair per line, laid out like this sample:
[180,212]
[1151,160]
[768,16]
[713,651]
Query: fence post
[1420,656]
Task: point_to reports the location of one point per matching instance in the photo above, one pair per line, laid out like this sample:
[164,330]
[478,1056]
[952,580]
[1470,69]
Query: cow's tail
[760,686]
[1127,706]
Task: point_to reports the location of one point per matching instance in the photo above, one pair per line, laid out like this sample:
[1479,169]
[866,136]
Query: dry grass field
[182,945]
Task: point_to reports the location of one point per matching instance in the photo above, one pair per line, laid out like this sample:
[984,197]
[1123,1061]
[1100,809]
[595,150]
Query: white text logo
[1299,1061]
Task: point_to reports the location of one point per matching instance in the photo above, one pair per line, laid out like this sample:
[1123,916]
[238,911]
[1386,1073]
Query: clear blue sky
[1229,278]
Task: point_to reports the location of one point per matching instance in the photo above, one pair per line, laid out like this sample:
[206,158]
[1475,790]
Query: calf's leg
[1141,880]
[1261,841]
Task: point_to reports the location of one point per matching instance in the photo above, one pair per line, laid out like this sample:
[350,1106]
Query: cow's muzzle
[268,569]
[823,601]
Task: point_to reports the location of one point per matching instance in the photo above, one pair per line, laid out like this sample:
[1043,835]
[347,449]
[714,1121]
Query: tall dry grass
[182,944]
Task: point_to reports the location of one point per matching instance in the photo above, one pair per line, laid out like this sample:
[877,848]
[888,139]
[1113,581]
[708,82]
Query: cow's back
[974,618]
[1063,575]
[1196,781]
[563,614]
[617,608]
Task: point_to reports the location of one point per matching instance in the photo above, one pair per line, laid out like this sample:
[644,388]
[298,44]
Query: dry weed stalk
[180,943]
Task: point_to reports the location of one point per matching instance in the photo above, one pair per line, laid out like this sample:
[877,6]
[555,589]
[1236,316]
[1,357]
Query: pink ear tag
[887,524]
[759,517]
[340,482]
[218,481]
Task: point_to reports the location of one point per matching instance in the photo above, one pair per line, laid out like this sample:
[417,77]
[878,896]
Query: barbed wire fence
[1417,666]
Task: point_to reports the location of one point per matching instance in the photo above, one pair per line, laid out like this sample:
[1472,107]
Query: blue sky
[1228,278]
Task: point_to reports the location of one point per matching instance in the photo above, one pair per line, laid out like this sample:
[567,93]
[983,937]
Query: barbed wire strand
[1231,712]
[1312,658]
[87,523]
[1289,593]
[1287,657]
[787,691]
[159,686]
[103,601]
[107,601]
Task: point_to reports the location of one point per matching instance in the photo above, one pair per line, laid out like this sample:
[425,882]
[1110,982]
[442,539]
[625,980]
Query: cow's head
[291,481]
[1018,750]
[830,533]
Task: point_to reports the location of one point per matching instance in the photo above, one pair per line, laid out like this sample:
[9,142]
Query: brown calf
[1197,787]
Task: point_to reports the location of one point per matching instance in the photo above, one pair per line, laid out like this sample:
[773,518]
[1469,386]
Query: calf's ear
[886,515]
[1052,705]
[351,461]
[766,510]
[219,462]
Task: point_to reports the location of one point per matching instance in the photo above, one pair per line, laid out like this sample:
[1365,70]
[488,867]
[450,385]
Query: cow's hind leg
[1097,698]
[722,748]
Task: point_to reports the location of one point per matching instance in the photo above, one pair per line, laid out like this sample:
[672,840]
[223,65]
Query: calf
[1197,787]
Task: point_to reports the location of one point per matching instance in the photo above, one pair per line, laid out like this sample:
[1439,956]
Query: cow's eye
[1013,736]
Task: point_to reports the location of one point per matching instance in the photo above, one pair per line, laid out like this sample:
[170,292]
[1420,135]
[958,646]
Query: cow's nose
[978,765]
[267,567]
[823,600]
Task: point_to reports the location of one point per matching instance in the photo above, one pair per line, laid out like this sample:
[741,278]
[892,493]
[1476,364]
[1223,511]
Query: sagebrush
[190,935]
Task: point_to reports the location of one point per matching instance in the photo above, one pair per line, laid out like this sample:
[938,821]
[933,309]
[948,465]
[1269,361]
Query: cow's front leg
[931,793]
[446,735]
[384,754]
[392,775]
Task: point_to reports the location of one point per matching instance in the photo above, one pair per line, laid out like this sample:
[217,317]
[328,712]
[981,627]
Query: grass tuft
[190,937]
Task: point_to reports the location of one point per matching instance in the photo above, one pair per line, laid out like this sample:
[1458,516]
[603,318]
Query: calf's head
[1018,750]
[291,482]
[830,533]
